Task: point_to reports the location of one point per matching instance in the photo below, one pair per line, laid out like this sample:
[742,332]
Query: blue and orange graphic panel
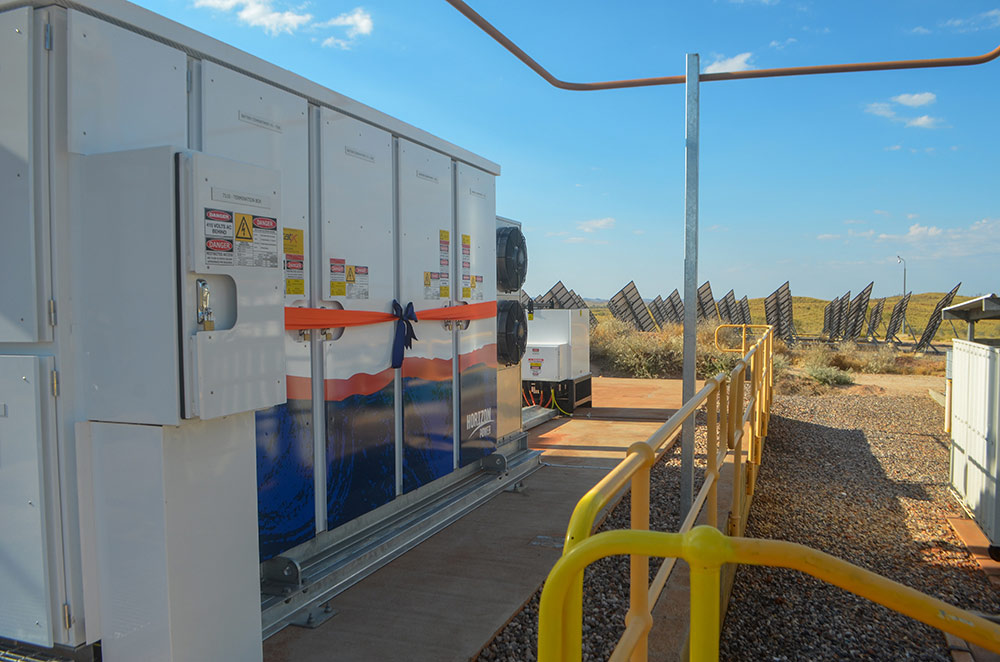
[360,445]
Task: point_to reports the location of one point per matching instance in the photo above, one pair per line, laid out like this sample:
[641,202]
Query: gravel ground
[864,479]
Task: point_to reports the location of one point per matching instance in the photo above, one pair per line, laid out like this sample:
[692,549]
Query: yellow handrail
[742,349]
[729,421]
[706,549]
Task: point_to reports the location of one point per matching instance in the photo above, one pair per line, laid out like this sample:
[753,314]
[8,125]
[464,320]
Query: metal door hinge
[52,312]
[55,383]
[48,36]
[67,621]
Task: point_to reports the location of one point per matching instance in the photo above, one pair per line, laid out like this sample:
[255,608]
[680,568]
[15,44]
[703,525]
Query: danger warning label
[348,280]
[240,240]
[244,229]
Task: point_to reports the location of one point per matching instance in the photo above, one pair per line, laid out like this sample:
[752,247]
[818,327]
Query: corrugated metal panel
[974,413]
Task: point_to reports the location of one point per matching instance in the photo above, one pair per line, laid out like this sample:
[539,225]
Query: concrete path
[446,598]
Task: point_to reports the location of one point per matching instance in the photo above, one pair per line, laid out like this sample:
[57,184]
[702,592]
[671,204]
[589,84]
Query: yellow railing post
[727,432]
[638,563]
[713,454]
[705,550]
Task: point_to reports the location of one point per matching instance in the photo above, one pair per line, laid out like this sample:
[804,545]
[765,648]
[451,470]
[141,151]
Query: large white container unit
[98,104]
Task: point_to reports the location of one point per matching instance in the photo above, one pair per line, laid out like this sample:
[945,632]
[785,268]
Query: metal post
[690,275]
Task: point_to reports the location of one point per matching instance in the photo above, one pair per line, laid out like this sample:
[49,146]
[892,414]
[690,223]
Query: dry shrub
[882,361]
[620,351]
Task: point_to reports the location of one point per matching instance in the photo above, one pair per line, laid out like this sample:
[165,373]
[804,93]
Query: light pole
[900,260]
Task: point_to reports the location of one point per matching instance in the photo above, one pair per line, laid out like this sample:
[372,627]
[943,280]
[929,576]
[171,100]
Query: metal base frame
[394,529]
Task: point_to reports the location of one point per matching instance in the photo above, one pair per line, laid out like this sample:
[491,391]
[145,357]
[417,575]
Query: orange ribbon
[327,318]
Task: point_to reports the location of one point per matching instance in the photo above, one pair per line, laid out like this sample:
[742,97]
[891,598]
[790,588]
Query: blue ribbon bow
[404,331]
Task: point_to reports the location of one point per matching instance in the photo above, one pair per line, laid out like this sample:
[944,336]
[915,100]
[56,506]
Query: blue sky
[819,180]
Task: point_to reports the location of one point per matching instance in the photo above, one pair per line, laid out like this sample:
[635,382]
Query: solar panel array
[896,319]
[728,308]
[706,304]
[560,298]
[778,312]
[839,309]
[856,314]
[875,321]
[557,297]
[827,314]
[744,310]
[657,307]
[843,314]
[627,306]
[674,308]
[935,320]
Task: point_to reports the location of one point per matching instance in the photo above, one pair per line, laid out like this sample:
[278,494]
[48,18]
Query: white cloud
[638,232]
[781,45]
[357,21]
[920,30]
[722,64]
[914,100]
[985,21]
[260,14]
[563,233]
[916,232]
[334,42]
[880,108]
[893,148]
[885,109]
[827,237]
[925,122]
[853,221]
[866,234]
[881,212]
[911,216]
[596,224]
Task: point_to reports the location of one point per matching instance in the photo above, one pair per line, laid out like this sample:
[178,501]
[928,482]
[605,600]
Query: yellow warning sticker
[445,292]
[444,235]
[427,279]
[466,240]
[338,288]
[473,284]
[244,227]
[466,293]
[294,241]
[350,273]
[295,286]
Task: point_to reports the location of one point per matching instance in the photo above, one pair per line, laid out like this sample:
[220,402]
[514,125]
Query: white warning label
[241,240]
[356,277]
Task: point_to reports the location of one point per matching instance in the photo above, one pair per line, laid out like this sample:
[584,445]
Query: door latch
[206,318]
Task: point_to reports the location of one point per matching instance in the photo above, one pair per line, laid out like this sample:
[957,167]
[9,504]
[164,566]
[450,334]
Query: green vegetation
[808,314]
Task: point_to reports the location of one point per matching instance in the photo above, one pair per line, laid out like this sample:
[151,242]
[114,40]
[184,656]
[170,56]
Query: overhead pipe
[504,41]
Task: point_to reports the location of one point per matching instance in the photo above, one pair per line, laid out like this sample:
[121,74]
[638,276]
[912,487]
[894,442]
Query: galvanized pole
[690,276]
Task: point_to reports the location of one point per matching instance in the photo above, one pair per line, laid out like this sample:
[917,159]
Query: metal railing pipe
[515,50]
